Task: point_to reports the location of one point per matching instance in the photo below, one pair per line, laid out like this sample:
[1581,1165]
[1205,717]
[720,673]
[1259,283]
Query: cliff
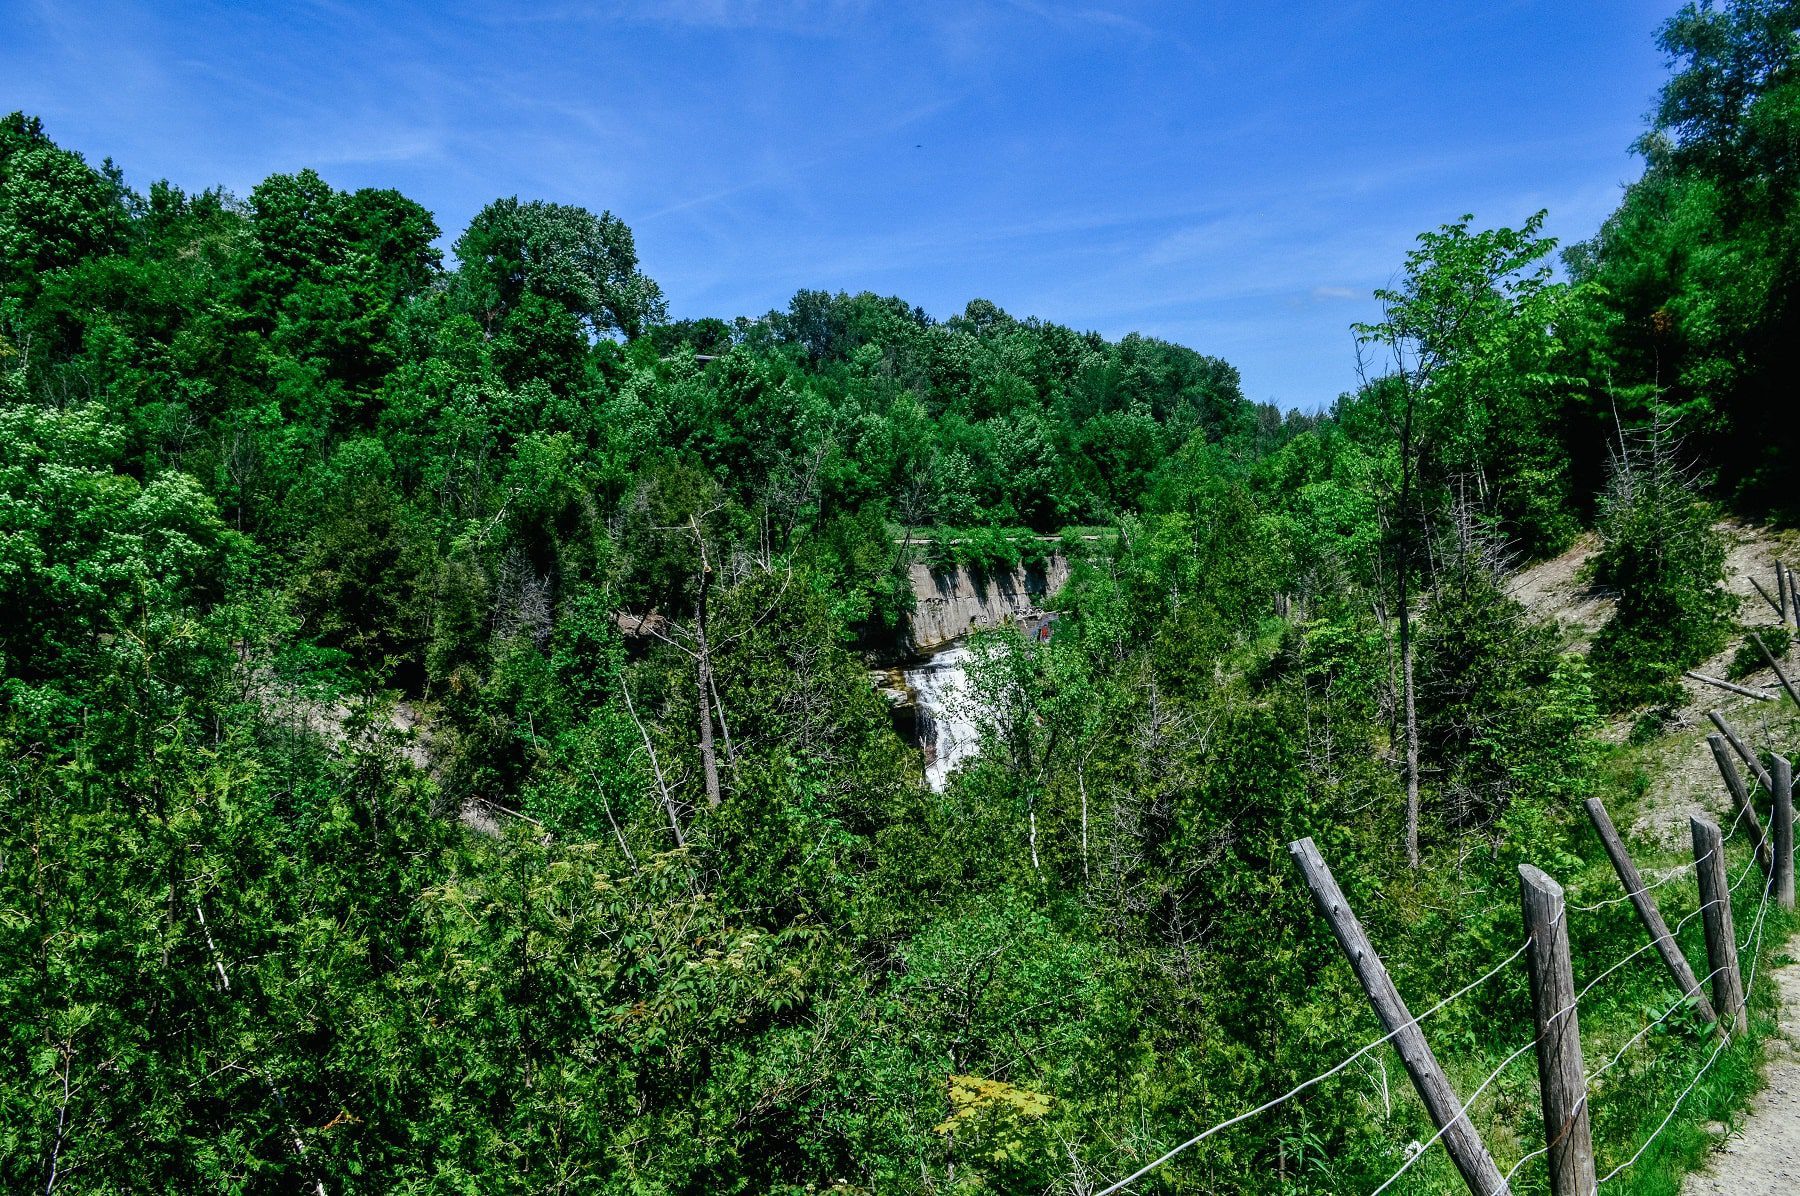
[951,603]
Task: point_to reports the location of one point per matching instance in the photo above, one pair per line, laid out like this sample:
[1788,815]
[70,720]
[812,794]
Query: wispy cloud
[1073,15]
[791,172]
[1223,174]
[797,15]
[788,16]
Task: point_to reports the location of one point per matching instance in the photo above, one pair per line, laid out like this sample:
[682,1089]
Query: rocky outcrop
[903,703]
[949,604]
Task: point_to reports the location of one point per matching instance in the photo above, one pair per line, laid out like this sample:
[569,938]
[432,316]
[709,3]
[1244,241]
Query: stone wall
[950,604]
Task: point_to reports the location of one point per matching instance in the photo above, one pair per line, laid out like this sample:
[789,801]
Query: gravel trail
[1763,1157]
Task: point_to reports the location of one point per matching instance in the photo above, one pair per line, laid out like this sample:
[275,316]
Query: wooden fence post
[1783,832]
[1460,1139]
[1741,796]
[1773,605]
[1781,588]
[1730,686]
[1561,1077]
[1742,749]
[1647,912]
[1769,659]
[1721,943]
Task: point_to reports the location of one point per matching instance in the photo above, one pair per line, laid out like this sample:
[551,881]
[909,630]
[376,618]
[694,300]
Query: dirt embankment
[1686,779]
[1561,589]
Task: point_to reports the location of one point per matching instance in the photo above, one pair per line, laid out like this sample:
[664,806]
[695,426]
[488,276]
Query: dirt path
[1764,1155]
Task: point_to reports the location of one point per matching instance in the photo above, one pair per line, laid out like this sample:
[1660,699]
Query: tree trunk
[1031,818]
[709,757]
[1411,713]
[1412,737]
[662,786]
[1081,784]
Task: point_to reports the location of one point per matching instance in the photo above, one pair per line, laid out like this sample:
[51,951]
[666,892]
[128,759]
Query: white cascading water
[940,686]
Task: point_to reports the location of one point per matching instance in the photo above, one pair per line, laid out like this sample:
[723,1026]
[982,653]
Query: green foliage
[987,549]
[109,582]
[1694,299]
[371,626]
[55,210]
[1665,563]
[561,254]
[1504,715]
[1748,658]
[1470,342]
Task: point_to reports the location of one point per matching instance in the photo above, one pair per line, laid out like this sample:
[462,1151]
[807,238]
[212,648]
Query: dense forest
[353,842]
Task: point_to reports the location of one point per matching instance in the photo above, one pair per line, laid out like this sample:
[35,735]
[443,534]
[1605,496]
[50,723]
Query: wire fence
[1295,1091]
[1674,874]
[1670,875]
[1752,942]
[1461,1115]
[1725,1039]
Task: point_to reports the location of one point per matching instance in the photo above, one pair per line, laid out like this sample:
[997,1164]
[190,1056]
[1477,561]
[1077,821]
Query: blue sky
[1235,177]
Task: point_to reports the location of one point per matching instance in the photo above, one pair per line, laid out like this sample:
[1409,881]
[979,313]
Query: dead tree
[701,646]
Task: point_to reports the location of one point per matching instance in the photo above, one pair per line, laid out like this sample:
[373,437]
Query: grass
[1631,1100]
[1722,1094]
[1630,1103]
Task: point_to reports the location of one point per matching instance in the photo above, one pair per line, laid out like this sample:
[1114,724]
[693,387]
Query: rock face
[903,705]
[950,604]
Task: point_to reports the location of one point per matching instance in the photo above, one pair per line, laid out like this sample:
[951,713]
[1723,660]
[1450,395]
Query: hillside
[1754,1153]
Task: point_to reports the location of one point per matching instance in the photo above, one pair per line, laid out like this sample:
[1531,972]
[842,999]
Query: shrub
[1749,658]
[1665,562]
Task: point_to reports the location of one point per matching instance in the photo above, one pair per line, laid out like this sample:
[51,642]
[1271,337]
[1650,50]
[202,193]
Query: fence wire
[1122,1184]
[1725,1039]
[1462,1112]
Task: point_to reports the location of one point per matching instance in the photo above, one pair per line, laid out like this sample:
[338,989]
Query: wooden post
[1781,589]
[1728,685]
[1776,665]
[1561,1077]
[1744,753]
[1782,830]
[1721,943]
[1773,605]
[1647,912]
[1735,783]
[1460,1139]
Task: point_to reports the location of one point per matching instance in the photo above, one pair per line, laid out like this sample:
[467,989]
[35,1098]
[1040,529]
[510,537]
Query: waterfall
[940,686]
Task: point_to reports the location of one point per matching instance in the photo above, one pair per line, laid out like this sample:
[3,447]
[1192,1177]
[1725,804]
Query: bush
[1665,562]
[1749,658]
[986,549]
[941,552]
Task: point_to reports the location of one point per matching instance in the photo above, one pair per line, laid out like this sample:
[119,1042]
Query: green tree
[1728,57]
[55,210]
[1449,334]
[562,253]
[1664,561]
